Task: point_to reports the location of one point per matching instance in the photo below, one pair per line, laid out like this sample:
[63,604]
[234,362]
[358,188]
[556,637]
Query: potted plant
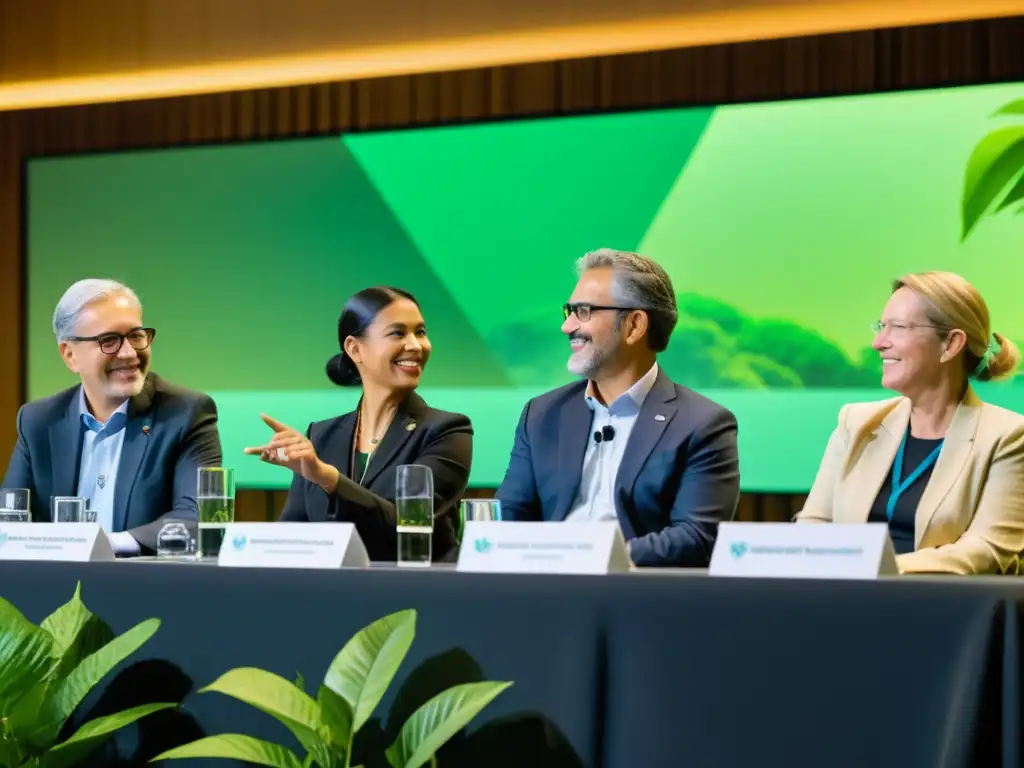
[326,726]
[45,673]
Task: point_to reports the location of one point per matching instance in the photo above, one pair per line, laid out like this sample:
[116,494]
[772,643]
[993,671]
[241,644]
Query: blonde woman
[942,468]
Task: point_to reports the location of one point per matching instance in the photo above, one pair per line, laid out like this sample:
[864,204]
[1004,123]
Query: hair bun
[1003,361]
[342,371]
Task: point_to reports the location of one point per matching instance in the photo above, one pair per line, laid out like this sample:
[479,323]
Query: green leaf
[10,749]
[67,621]
[994,163]
[365,667]
[89,736]
[337,716]
[300,682]
[24,721]
[238,747]
[430,726]
[1015,195]
[276,697]
[1013,108]
[77,632]
[70,691]
[26,656]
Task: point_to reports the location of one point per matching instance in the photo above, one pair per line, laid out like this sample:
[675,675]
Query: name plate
[292,545]
[69,542]
[803,551]
[490,546]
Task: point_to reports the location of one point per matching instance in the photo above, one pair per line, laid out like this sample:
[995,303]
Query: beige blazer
[971,515]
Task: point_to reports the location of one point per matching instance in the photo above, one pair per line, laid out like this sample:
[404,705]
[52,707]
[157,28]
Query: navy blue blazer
[679,476]
[170,433]
[418,434]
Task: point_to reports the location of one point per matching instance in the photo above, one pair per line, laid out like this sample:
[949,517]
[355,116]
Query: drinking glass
[175,540]
[216,498]
[414,503]
[14,505]
[69,509]
[477,509]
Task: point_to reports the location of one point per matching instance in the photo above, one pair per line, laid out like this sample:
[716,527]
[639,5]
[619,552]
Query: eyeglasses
[111,343]
[583,310]
[898,329]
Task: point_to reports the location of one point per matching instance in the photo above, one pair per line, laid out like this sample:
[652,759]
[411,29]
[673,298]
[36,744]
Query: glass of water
[414,503]
[477,509]
[216,498]
[70,509]
[14,505]
[175,540]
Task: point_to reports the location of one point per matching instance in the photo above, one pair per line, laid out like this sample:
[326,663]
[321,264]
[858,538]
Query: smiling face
[108,378]
[915,354]
[393,350]
[595,341]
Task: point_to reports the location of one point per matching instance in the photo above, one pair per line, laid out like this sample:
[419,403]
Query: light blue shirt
[97,474]
[596,497]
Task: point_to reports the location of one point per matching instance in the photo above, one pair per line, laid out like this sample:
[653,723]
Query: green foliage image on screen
[781,224]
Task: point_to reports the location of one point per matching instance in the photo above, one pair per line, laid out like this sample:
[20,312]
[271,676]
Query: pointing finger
[274,424]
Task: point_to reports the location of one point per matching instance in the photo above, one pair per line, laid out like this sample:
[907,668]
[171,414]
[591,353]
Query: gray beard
[591,366]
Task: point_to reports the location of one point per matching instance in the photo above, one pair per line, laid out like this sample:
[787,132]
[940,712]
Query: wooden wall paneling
[11,309]
[859,62]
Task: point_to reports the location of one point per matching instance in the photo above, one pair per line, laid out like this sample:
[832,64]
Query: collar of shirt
[629,401]
[114,424]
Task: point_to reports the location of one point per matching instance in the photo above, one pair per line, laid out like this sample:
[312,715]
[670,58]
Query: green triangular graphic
[501,211]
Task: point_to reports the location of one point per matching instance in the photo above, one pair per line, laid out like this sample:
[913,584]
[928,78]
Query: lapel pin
[146,429]
[410,426]
[659,417]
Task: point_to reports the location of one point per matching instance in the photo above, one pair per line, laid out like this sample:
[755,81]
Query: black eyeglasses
[583,310]
[111,343]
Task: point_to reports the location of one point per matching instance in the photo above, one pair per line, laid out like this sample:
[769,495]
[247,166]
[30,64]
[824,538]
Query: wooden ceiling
[64,52]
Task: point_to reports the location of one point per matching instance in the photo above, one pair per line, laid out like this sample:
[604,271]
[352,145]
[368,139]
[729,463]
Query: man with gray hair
[627,443]
[124,439]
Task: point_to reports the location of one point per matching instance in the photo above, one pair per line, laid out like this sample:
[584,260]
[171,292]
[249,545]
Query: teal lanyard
[897,469]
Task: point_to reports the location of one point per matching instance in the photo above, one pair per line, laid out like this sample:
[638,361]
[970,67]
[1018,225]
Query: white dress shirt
[595,499]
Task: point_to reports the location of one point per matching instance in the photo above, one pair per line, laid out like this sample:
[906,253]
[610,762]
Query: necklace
[374,441]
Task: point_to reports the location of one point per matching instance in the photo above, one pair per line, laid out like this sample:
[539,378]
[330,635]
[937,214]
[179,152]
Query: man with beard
[124,439]
[626,443]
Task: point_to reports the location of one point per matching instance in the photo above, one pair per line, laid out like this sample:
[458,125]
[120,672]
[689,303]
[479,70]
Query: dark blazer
[170,433]
[418,434]
[678,479]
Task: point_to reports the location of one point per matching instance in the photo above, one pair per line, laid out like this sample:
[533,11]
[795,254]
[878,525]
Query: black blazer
[418,434]
[678,478]
[170,433]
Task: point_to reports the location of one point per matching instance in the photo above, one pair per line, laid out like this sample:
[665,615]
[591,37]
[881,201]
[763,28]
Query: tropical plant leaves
[337,716]
[1013,108]
[67,621]
[72,690]
[353,686]
[430,726]
[77,633]
[995,162]
[93,733]
[238,747]
[26,656]
[1015,195]
[277,697]
[365,667]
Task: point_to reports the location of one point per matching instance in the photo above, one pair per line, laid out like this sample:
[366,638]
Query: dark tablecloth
[629,671]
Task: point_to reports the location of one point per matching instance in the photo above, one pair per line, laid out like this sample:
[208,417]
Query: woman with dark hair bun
[345,467]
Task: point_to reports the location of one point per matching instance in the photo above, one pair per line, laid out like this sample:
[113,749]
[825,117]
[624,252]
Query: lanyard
[899,487]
